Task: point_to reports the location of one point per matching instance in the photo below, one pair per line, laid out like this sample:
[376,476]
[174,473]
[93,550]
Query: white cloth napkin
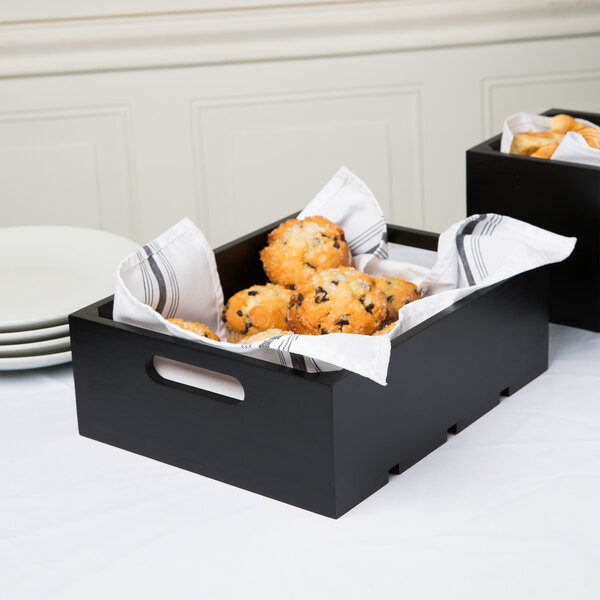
[572,148]
[176,275]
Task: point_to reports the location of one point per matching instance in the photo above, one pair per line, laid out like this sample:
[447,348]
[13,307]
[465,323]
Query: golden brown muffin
[398,293]
[591,135]
[545,151]
[256,309]
[528,142]
[263,335]
[386,329]
[341,300]
[299,248]
[198,328]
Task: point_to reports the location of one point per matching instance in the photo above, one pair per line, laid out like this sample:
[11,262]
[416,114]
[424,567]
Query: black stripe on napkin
[366,236]
[474,239]
[142,266]
[160,280]
[267,343]
[174,285]
[274,344]
[488,230]
[498,220]
[298,361]
[378,251]
[467,229]
[314,364]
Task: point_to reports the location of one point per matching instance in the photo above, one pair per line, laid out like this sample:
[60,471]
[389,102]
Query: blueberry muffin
[256,309]
[299,248]
[398,292]
[263,335]
[198,328]
[341,300]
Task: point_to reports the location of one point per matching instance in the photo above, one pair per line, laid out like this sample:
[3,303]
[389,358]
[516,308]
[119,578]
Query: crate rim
[485,147]
[90,313]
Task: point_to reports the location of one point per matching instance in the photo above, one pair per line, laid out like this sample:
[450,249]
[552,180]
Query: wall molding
[283,32]
[491,84]
[122,115]
[201,109]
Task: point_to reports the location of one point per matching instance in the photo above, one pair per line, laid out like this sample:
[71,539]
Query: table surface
[508,508]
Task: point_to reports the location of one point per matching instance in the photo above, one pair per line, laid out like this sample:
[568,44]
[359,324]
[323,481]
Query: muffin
[385,329]
[264,335]
[398,292]
[258,308]
[299,248]
[341,300]
[198,328]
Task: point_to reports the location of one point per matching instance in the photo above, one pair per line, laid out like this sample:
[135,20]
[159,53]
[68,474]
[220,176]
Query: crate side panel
[239,265]
[557,198]
[442,379]
[277,442]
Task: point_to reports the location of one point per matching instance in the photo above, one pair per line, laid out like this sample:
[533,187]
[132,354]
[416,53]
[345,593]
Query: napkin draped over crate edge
[176,276]
[572,148]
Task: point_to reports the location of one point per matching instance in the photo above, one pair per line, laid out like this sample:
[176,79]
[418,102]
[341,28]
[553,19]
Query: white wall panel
[70,167]
[535,93]
[264,157]
[233,146]
[56,182]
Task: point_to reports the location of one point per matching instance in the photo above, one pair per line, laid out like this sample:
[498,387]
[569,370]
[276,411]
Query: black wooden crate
[325,441]
[555,195]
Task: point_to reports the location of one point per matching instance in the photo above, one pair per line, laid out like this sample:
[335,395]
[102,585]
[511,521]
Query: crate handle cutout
[219,386]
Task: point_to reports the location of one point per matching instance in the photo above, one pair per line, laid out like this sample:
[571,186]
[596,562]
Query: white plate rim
[52,346]
[29,325]
[33,335]
[94,238]
[34,362]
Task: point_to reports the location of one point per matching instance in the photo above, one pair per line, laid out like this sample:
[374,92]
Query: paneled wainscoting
[233,144]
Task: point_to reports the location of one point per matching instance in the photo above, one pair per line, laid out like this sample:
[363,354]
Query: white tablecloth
[509,508]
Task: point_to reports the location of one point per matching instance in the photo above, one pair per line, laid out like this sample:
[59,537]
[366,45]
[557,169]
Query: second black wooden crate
[558,196]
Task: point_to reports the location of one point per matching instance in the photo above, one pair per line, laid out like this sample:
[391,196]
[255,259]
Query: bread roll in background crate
[559,196]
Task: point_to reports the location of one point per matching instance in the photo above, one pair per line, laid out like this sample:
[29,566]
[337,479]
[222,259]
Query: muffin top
[298,248]
[398,292]
[257,308]
[341,300]
[198,328]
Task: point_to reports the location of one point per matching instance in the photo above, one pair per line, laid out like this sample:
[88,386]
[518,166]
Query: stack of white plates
[46,273]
